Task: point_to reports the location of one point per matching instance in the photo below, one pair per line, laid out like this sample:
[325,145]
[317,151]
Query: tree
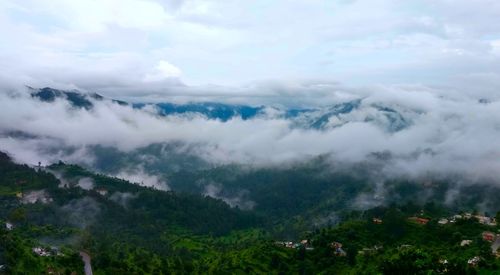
[408,261]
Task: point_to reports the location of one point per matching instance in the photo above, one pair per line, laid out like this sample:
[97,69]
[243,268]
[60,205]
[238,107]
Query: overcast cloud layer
[436,58]
[205,47]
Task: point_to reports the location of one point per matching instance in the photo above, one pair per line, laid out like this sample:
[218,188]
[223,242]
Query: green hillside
[128,229]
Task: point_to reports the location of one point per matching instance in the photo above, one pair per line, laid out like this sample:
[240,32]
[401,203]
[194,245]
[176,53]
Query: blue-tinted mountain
[391,118]
[210,110]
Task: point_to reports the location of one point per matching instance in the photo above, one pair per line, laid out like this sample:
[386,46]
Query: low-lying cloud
[86,183]
[448,134]
[237,200]
[81,212]
[139,176]
[122,198]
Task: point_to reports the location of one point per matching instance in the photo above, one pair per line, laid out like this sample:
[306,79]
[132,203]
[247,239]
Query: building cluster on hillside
[467,216]
[40,251]
[302,244]
[45,252]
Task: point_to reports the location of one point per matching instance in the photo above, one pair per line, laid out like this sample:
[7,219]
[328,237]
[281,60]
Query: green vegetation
[128,229]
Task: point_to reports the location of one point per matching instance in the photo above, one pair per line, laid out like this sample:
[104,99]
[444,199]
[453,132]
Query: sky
[431,60]
[211,47]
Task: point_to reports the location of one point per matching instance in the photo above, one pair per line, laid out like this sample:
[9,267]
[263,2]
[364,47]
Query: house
[306,244]
[419,220]
[443,221]
[338,251]
[336,245]
[370,251]
[489,236]
[102,191]
[483,219]
[465,242]
[9,226]
[289,245]
[486,220]
[377,221]
[40,251]
[455,218]
[474,261]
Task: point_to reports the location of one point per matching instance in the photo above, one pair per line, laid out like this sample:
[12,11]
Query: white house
[9,226]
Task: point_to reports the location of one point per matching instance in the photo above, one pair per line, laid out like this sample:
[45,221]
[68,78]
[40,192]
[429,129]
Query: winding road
[495,245]
[86,260]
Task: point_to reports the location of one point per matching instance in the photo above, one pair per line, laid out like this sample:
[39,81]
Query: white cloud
[495,46]
[113,45]
[162,71]
[449,133]
[236,200]
[139,176]
[98,15]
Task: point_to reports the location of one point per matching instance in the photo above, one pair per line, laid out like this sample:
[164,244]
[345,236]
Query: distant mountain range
[390,118]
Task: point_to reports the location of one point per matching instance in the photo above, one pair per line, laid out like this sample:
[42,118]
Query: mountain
[74,97]
[390,118]
[210,110]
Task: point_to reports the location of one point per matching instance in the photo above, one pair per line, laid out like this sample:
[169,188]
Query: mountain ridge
[390,118]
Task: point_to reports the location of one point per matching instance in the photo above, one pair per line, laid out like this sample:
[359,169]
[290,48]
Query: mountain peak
[77,98]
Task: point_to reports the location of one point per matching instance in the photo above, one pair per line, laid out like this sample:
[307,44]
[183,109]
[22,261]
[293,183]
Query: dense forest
[51,214]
